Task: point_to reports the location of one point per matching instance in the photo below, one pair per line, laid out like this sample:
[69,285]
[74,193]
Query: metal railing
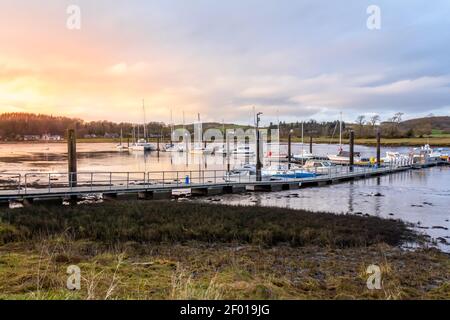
[23,183]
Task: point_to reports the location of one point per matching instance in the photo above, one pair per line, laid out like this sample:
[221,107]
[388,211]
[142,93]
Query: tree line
[13,126]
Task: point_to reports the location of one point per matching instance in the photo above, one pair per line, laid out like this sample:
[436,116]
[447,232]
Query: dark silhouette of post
[378,148]
[72,156]
[310,144]
[258,147]
[228,150]
[352,153]
[289,149]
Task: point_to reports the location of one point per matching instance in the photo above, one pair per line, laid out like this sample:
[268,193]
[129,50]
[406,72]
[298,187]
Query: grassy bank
[171,250]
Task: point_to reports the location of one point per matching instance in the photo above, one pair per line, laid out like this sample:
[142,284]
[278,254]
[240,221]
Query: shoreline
[394,142]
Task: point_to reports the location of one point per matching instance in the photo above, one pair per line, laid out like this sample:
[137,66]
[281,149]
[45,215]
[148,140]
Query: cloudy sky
[291,59]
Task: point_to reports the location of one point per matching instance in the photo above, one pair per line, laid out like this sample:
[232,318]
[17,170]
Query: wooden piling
[352,153]
[72,157]
[289,149]
[310,144]
[378,147]
[258,156]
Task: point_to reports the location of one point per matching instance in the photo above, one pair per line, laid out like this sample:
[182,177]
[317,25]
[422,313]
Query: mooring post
[72,157]
[352,142]
[378,148]
[157,143]
[258,147]
[310,144]
[289,148]
[228,151]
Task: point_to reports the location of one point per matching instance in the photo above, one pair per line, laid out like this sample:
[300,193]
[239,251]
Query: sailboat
[142,144]
[277,156]
[198,135]
[172,147]
[343,157]
[121,146]
[304,154]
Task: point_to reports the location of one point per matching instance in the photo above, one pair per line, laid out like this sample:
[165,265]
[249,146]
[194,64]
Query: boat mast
[340,131]
[171,125]
[145,121]
[303,149]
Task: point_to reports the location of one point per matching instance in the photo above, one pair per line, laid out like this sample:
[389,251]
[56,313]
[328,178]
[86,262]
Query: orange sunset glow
[199,58]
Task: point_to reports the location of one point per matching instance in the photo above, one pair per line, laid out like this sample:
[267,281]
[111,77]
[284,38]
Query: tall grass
[169,222]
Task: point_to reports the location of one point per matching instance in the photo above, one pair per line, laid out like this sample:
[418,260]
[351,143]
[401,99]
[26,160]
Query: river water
[421,197]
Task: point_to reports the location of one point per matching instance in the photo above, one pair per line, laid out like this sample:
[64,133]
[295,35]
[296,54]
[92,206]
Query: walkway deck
[161,185]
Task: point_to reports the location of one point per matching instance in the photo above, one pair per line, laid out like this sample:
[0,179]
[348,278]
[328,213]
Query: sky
[293,60]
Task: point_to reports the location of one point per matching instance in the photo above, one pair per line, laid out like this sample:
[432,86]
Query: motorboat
[284,172]
[246,170]
[319,166]
[396,158]
[343,157]
[425,154]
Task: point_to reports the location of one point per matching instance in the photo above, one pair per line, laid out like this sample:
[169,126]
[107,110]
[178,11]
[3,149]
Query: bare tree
[361,120]
[398,117]
[374,120]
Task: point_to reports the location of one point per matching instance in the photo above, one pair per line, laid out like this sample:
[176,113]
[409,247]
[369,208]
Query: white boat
[396,158]
[243,151]
[121,146]
[142,145]
[174,148]
[244,171]
[200,150]
[343,157]
[303,155]
[319,166]
[239,151]
[277,157]
[284,172]
[425,154]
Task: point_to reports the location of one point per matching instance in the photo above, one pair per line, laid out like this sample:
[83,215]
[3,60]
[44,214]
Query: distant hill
[433,123]
[14,126]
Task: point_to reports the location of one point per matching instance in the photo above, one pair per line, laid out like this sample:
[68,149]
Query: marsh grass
[169,250]
[168,222]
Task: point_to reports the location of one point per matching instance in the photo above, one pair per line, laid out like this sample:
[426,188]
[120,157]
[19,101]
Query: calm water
[418,196]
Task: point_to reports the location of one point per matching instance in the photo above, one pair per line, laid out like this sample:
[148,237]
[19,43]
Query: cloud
[296,59]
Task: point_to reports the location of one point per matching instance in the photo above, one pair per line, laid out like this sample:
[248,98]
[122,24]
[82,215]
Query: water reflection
[421,197]
[417,196]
